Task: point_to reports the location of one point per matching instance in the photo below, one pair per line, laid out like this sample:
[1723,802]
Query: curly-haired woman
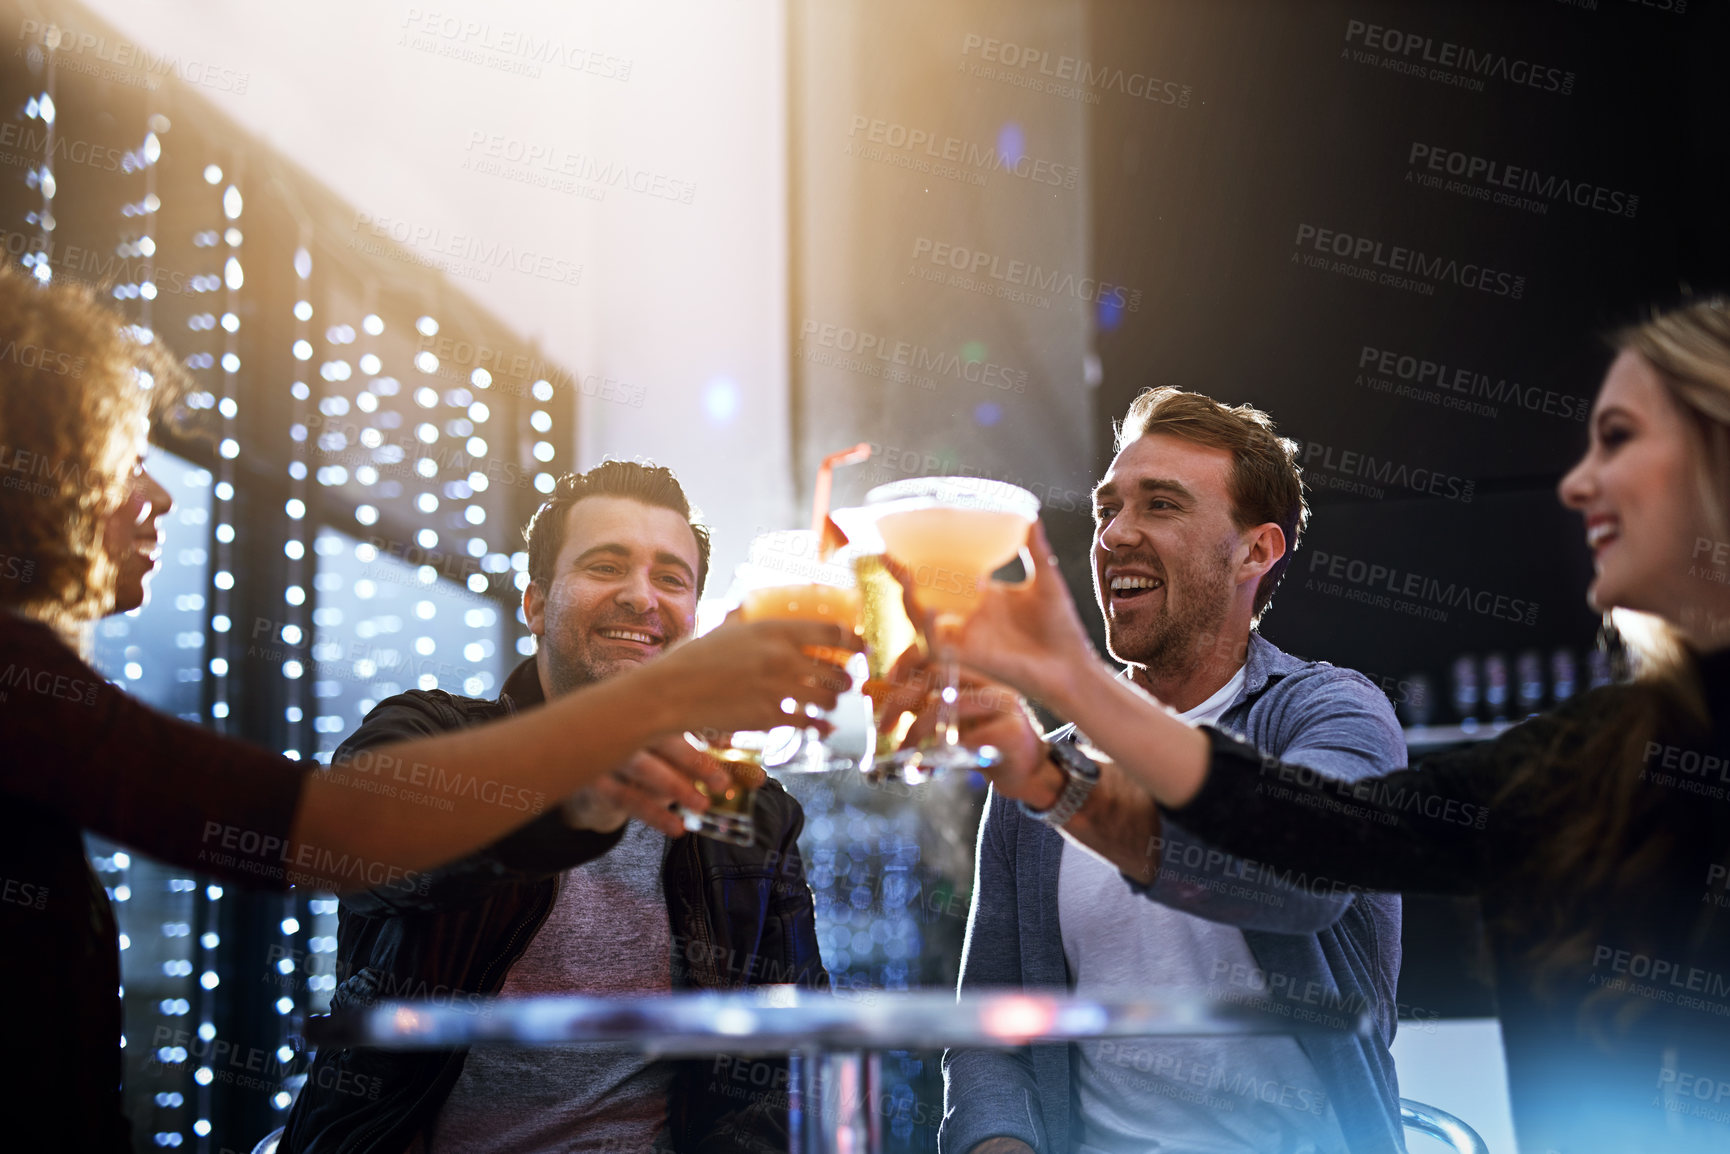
[78,537]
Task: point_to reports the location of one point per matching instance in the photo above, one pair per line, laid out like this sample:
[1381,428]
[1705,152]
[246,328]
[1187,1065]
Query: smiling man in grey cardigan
[1195,522]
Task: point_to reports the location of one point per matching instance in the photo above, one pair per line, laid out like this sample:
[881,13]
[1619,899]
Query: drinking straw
[828,533]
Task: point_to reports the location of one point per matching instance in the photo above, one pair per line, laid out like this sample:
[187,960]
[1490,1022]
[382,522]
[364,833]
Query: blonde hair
[1589,788]
[78,386]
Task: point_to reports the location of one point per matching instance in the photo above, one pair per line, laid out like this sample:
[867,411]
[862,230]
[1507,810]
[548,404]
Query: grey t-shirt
[1199,1096]
[607,934]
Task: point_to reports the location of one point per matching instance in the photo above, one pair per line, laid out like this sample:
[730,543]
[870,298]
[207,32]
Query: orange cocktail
[949,534]
[950,552]
[806,603]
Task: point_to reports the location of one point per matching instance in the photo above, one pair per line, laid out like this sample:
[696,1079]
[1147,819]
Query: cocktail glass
[784,577]
[949,534]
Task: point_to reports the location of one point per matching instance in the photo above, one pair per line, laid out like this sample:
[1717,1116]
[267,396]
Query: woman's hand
[1028,634]
[647,787]
[737,676]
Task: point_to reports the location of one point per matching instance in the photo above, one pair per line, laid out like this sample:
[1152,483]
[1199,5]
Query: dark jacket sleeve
[539,849]
[991,1093]
[1422,830]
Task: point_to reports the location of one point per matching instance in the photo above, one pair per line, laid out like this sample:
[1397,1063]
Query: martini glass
[949,534]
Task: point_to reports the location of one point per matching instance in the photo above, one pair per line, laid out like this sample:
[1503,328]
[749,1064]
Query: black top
[1620,1041]
[78,754]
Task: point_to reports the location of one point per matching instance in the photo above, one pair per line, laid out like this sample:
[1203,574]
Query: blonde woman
[1597,836]
[78,537]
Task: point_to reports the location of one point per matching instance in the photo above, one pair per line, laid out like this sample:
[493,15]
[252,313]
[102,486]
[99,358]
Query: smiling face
[131,539]
[623,591]
[1638,491]
[1168,559]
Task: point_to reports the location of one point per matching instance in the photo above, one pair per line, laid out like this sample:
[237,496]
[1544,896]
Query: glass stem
[949,699]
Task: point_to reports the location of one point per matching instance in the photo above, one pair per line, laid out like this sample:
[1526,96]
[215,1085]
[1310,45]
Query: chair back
[1441,1125]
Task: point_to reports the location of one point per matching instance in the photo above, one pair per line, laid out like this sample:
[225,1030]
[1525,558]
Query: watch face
[1075,762]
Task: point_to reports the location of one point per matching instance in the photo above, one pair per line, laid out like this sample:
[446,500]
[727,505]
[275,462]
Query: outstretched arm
[1416,829]
[734,678]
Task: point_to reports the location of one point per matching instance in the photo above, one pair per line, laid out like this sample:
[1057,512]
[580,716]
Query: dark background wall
[1297,125]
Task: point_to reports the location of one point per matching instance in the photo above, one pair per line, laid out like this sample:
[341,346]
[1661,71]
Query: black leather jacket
[739,916]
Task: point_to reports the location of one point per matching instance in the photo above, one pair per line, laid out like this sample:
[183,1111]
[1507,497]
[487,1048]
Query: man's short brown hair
[651,484]
[1266,483]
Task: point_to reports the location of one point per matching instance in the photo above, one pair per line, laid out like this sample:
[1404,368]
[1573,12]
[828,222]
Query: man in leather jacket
[581,901]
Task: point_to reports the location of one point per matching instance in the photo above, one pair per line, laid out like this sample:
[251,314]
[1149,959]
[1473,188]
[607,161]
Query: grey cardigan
[1324,949]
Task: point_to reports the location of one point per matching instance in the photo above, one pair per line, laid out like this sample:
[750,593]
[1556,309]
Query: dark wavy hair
[651,484]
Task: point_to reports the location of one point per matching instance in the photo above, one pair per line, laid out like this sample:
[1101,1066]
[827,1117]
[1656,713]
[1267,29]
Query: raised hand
[646,787]
[737,676]
[989,714]
[1028,634]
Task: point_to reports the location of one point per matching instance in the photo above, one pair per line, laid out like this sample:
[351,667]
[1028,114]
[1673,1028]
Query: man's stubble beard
[573,670]
[1173,644]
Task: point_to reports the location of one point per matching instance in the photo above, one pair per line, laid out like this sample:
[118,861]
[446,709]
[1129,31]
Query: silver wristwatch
[1080,775]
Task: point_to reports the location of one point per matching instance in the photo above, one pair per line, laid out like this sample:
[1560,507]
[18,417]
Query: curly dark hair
[79,386]
[639,481]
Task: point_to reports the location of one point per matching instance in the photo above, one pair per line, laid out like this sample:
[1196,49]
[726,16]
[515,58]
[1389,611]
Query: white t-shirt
[1196,1095]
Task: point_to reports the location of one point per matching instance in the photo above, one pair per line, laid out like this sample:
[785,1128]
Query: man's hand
[737,676]
[647,787]
[1002,1146]
[988,713]
[1029,634]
